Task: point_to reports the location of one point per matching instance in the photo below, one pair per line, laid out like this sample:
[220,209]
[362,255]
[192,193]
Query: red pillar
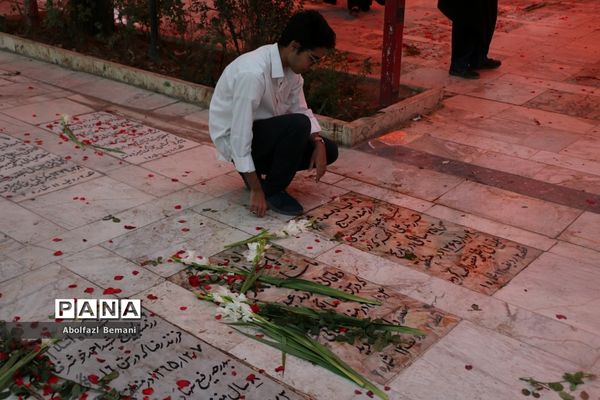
[391,55]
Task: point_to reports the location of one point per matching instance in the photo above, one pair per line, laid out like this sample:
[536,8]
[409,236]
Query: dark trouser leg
[463,45]
[278,147]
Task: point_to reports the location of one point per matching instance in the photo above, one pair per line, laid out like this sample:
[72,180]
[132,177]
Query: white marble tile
[200,117]
[374,268]
[475,138]
[221,185]
[87,202]
[312,194]
[546,119]
[10,268]
[550,84]
[240,217]
[387,195]
[493,228]
[585,231]
[507,92]
[24,225]
[178,109]
[298,373]
[197,317]
[569,178]
[11,126]
[575,163]
[31,296]
[578,345]
[8,244]
[399,177]
[575,252]
[145,180]
[560,288]
[497,362]
[120,93]
[510,208]
[46,112]
[587,148]
[108,270]
[484,107]
[510,164]
[191,166]
[309,244]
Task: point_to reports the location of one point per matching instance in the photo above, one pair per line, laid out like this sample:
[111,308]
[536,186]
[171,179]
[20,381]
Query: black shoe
[466,74]
[284,204]
[488,63]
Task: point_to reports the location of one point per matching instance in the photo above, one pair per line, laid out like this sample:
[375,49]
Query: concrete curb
[345,133]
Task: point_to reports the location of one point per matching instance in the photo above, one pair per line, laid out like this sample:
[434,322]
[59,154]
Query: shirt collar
[276,66]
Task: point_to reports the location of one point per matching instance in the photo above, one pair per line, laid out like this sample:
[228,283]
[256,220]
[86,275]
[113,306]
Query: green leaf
[556,386]
[565,396]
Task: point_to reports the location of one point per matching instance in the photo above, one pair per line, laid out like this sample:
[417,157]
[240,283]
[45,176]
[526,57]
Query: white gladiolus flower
[294,228]
[66,119]
[233,307]
[253,251]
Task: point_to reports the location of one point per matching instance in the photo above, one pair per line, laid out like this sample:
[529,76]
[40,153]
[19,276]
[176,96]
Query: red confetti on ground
[152,297]
[468,367]
[57,239]
[386,388]
[111,290]
[218,317]
[280,368]
[194,281]
[356,391]
[72,286]
[93,379]
[118,277]
[185,229]
[135,272]
[317,240]
[182,383]
[182,221]
[178,207]
[150,175]
[89,290]
[309,247]
[148,391]
[370,394]
[251,378]
[174,180]
[183,308]
[255,308]
[58,253]
[560,316]
[129,227]
[338,251]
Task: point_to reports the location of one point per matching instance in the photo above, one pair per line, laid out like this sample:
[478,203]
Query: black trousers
[473,25]
[281,146]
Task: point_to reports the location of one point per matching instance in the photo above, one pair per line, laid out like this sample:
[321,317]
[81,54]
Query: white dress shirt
[254,86]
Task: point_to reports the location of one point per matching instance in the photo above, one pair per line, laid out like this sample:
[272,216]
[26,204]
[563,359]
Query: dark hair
[310,29]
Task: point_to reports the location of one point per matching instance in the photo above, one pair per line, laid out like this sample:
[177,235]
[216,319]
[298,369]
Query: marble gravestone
[28,171]
[139,142]
[395,308]
[464,256]
[165,362]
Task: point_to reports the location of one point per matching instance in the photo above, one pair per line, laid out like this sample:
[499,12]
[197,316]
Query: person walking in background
[473,25]
[259,120]
[355,6]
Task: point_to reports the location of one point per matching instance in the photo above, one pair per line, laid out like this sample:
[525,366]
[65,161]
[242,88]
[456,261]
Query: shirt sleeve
[247,92]
[298,104]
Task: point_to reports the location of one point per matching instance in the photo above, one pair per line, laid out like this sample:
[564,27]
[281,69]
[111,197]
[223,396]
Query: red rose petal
[280,368]
[72,286]
[152,297]
[118,277]
[251,378]
[174,180]
[129,227]
[57,239]
[93,379]
[89,290]
[218,317]
[468,367]
[148,391]
[177,207]
[111,290]
[560,316]
[58,253]
[183,308]
[182,383]
[185,229]
[135,272]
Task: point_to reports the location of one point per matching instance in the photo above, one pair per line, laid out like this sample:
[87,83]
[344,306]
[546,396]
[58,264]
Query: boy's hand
[258,203]
[318,160]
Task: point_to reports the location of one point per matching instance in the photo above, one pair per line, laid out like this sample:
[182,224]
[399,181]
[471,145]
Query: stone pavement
[478,224]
